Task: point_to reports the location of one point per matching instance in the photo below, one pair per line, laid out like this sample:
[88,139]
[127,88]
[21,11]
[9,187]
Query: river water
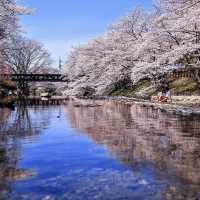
[110,152]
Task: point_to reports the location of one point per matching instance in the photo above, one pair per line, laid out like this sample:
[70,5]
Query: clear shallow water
[111,152]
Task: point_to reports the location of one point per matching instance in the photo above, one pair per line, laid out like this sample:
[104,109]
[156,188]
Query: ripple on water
[110,152]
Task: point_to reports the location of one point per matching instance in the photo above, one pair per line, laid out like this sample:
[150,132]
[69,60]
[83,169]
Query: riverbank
[181,105]
[5,88]
[7,101]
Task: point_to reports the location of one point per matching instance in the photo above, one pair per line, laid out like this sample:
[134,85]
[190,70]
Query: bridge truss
[35,77]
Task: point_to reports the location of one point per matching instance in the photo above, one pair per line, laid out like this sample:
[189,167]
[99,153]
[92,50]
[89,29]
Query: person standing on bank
[166,94]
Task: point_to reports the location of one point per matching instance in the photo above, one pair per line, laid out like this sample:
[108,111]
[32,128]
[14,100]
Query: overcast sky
[59,24]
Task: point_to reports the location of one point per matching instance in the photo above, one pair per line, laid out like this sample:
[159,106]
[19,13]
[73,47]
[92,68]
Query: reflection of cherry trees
[134,134]
[22,123]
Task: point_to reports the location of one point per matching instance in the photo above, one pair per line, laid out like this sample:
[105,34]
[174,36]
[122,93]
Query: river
[110,152]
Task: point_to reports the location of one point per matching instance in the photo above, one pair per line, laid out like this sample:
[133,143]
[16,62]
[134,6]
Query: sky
[61,24]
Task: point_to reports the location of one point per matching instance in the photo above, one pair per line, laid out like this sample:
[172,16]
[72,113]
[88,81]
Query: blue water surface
[94,153]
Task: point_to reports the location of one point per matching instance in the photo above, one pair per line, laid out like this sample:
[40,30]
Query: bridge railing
[36,77]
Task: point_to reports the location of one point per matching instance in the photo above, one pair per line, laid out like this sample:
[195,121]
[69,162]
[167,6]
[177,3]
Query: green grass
[130,91]
[183,85]
[145,84]
[123,92]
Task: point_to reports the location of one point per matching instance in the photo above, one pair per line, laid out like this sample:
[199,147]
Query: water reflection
[23,122]
[14,126]
[113,152]
[139,137]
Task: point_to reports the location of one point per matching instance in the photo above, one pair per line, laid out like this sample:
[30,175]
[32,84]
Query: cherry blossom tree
[141,45]
[9,21]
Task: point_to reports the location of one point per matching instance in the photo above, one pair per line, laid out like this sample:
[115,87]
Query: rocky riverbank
[181,105]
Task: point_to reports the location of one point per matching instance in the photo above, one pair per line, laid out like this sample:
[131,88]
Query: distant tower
[60,64]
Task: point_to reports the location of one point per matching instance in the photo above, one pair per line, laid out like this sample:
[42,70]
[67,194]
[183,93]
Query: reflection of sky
[69,165]
[61,24]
